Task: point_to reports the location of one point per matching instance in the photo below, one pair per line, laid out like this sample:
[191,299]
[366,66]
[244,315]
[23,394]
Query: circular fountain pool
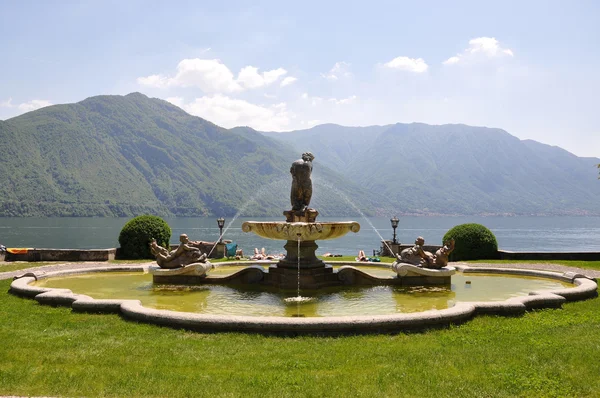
[336,301]
[328,311]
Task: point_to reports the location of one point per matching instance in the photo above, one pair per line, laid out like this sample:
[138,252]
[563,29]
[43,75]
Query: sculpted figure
[440,259]
[414,255]
[301,183]
[185,254]
[417,256]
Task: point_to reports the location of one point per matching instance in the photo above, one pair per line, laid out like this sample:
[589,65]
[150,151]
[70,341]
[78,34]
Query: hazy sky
[529,67]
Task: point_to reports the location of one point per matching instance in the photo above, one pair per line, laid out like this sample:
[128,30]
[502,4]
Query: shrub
[473,242]
[137,233]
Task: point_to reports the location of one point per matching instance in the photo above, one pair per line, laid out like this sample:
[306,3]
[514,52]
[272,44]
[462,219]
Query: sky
[530,67]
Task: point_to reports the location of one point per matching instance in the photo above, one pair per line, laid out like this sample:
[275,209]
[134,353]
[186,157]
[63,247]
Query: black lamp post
[221,224]
[394,222]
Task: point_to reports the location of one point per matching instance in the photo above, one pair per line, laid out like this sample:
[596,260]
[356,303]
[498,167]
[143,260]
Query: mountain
[128,155]
[455,169]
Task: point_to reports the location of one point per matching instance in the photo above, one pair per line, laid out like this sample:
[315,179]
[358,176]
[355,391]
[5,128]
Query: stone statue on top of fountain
[301,190]
[416,255]
[185,254]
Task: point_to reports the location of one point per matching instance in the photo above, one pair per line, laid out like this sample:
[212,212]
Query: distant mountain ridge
[456,169]
[128,155]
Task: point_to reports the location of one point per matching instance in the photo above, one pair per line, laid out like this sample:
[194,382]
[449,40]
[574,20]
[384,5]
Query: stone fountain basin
[133,309]
[305,231]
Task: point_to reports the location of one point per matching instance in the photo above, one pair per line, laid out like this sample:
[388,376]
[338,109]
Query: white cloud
[416,65]
[487,47]
[343,101]
[250,78]
[272,75]
[287,81]
[340,70]
[159,81]
[212,76]
[451,60]
[33,105]
[229,112]
[6,104]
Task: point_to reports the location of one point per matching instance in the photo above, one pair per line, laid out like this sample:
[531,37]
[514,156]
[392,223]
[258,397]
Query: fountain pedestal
[302,255]
[308,278]
[301,263]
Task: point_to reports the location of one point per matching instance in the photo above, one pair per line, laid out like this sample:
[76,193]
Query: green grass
[49,351]
[570,263]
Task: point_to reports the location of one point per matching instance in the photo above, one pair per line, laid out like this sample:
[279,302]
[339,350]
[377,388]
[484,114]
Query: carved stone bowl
[281,230]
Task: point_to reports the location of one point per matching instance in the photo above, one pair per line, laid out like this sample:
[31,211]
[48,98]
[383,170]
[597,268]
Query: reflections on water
[260,301]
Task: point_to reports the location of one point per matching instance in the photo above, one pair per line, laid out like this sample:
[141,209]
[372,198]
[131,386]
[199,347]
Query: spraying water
[262,191]
[347,200]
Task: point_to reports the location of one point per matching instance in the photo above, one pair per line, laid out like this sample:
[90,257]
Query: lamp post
[221,224]
[394,222]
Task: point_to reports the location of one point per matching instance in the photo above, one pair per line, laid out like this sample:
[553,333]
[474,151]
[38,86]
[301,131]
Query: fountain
[300,268]
[250,299]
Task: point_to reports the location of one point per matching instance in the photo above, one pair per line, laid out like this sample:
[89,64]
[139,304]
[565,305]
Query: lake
[541,234]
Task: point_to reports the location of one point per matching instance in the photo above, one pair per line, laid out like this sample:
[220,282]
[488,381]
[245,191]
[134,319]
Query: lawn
[50,351]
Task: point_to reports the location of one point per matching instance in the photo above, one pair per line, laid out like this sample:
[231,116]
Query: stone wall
[62,255]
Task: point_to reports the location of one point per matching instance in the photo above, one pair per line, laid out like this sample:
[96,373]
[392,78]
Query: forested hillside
[127,155]
[456,169]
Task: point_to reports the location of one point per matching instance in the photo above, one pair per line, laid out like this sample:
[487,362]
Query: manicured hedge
[136,235]
[472,242]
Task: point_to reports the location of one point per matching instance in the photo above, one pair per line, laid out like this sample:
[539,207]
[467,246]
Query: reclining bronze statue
[417,256]
[186,253]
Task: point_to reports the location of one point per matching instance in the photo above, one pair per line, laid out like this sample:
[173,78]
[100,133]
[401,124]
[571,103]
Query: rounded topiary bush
[136,235]
[472,242]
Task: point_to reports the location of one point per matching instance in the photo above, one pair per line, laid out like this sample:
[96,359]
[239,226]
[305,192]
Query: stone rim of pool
[133,310]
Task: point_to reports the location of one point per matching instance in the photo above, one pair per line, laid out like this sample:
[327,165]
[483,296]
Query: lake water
[513,233]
